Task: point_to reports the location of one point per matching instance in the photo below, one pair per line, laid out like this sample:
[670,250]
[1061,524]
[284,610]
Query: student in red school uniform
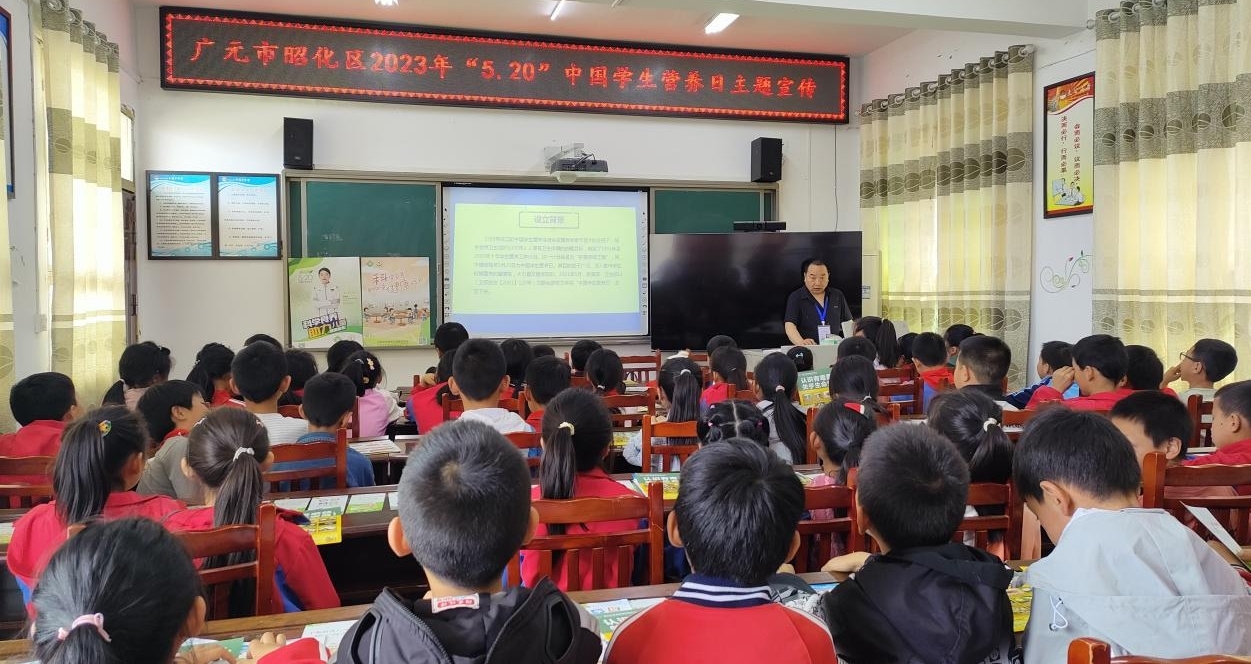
[545,377]
[577,434]
[517,355]
[1156,422]
[929,356]
[1231,428]
[728,366]
[1099,366]
[101,459]
[426,407]
[42,404]
[736,518]
[170,410]
[211,373]
[227,453]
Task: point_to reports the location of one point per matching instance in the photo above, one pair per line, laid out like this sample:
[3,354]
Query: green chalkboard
[709,210]
[366,219]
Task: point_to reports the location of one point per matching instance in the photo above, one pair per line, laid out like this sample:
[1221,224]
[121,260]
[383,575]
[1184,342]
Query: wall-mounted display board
[288,55]
[193,215]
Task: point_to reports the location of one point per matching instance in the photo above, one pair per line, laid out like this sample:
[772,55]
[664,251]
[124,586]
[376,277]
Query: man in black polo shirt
[815,311]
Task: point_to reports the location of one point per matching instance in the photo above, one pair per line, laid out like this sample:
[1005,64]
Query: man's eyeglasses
[1183,356]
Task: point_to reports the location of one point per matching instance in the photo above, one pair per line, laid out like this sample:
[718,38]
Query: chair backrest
[452,405]
[525,442]
[904,374]
[641,369]
[1233,512]
[1199,409]
[891,415]
[1014,422]
[290,410]
[602,548]
[232,539]
[336,451]
[667,453]
[620,420]
[817,536]
[28,481]
[748,395]
[1094,651]
[1008,524]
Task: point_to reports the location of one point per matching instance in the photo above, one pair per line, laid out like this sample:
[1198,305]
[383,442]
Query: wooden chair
[1093,651]
[1232,512]
[641,369]
[232,539]
[748,395]
[453,405]
[899,383]
[604,548]
[667,452]
[525,442]
[1198,409]
[620,420]
[817,537]
[1003,496]
[309,452]
[28,481]
[918,392]
[290,410]
[1016,421]
[892,415]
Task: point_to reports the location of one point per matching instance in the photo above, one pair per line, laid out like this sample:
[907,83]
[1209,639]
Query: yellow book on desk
[669,480]
[325,527]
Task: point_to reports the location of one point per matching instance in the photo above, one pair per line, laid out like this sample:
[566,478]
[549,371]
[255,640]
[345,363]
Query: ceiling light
[387,3]
[560,6]
[719,22]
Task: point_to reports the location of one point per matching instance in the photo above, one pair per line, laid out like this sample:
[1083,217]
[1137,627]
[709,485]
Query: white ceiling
[596,19]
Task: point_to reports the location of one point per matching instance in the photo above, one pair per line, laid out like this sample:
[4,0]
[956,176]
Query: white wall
[921,56]
[184,304]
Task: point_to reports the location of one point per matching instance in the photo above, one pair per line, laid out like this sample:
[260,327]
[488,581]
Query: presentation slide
[546,263]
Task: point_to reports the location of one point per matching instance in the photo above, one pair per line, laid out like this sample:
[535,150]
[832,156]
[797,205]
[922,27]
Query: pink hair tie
[95,620]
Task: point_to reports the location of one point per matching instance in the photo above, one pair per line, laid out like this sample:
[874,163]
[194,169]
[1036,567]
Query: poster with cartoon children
[396,301]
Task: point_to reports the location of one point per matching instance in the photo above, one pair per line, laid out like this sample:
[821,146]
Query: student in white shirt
[479,378]
[259,375]
[1207,362]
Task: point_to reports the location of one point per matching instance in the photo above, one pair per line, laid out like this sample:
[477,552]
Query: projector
[579,165]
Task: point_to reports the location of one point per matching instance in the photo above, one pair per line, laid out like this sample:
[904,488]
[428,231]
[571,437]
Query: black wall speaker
[297,143]
[766,160]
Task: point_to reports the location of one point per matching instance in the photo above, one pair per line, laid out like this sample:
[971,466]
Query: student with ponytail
[577,434]
[882,333]
[101,459]
[729,376]
[606,373]
[227,453]
[378,407]
[141,366]
[777,383]
[837,437]
[681,382]
[211,372]
[733,419]
[853,380]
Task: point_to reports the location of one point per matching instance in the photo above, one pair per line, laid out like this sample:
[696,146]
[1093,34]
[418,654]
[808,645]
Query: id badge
[823,333]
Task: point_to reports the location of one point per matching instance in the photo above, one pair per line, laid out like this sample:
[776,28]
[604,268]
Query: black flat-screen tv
[703,285]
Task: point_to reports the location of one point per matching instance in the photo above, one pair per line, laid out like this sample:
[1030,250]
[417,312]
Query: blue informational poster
[180,215]
[247,216]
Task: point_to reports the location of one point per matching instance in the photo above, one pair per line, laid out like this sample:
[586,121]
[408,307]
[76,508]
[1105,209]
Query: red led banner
[267,54]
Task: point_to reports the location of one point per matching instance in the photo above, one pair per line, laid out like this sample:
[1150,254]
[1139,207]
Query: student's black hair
[1081,449]
[544,350]
[737,511]
[42,396]
[842,432]
[989,358]
[211,363]
[449,336]
[802,357]
[720,341]
[605,371]
[225,451]
[158,401]
[1161,416]
[1219,358]
[546,377]
[441,375]
[857,347]
[142,365]
[258,371]
[853,379]
[974,423]
[882,333]
[777,379]
[905,347]
[580,352]
[301,366]
[135,574]
[1058,354]
[682,382]
[930,350]
[956,334]
[733,419]
[261,336]
[327,397]
[912,485]
[339,352]
[479,368]
[1143,370]
[465,503]
[517,357]
[364,370]
[731,364]
[1235,399]
[1105,353]
[94,451]
[577,429]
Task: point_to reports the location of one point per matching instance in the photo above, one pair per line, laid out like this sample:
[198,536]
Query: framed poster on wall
[200,215]
[1068,153]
